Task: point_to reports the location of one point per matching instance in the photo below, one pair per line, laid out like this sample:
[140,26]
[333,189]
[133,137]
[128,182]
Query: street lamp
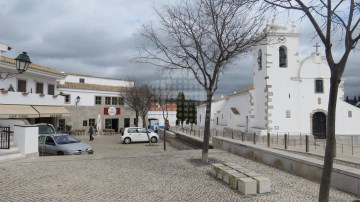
[22,63]
[77,100]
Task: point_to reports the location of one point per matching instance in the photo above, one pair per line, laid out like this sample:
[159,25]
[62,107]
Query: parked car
[137,134]
[60,144]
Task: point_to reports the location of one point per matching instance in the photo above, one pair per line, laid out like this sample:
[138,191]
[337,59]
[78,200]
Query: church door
[319,125]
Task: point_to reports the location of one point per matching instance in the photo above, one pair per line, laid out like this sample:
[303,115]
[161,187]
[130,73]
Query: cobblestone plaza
[139,172]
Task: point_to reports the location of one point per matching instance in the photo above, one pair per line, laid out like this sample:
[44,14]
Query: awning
[51,111]
[18,112]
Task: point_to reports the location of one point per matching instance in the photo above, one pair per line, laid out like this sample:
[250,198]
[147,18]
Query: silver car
[62,144]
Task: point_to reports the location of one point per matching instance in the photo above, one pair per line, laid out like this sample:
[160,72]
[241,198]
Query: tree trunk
[330,139]
[205,150]
[146,128]
[137,119]
[165,138]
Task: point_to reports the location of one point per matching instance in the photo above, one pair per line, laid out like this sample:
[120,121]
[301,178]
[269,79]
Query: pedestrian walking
[156,128]
[91,132]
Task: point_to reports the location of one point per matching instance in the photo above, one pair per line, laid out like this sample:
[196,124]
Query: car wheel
[60,153]
[127,140]
[153,139]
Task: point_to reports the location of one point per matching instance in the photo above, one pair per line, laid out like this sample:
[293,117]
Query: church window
[282,56]
[319,86]
[259,60]
[349,114]
[235,111]
[288,114]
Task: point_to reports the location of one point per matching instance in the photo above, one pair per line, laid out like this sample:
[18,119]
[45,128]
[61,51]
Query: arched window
[259,59]
[282,56]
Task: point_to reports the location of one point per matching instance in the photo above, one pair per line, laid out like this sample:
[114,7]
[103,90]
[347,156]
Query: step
[10,154]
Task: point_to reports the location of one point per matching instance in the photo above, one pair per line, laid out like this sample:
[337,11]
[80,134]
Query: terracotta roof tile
[246,89]
[87,86]
[171,107]
[86,75]
[32,66]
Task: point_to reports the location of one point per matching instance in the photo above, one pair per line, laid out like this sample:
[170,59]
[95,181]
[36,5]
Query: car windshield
[46,129]
[66,139]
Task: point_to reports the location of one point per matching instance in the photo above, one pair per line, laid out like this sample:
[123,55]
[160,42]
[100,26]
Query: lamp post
[22,63]
[77,100]
[77,110]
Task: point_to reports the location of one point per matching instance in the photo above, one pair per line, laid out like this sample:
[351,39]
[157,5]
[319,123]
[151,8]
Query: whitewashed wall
[31,77]
[87,97]
[99,81]
[159,116]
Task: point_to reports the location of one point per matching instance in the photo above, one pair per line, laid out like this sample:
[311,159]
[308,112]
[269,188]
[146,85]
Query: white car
[137,134]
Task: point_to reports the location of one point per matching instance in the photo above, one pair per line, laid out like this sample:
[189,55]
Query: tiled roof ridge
[246,88]
[92,76]
[88,86]
[32,66]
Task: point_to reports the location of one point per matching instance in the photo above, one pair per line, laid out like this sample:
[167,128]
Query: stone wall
[343,178]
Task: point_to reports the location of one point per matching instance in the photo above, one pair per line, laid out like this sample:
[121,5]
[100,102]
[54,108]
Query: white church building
[289,93]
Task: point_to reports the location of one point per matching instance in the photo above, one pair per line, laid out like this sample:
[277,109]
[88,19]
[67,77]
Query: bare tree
[132,98]
[203,37]
[330,18]
[163,98]
[139,98]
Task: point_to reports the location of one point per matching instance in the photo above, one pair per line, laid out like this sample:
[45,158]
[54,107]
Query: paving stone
[220,174]
[233,179]
[252,174]
[216,167]
[263,184]
[236,167]
[229,164]
[247,185]
[227,173]
[243,170]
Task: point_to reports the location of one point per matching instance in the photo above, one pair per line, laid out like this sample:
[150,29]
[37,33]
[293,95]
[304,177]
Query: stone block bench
[240,178]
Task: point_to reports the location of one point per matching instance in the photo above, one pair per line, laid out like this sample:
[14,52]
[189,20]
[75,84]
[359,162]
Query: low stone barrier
[343,178]
[240,178]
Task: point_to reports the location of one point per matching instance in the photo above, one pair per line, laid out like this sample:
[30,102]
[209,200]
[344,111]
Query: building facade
[156,115]
[95,101]
[68,101]
[32,95]
[288,95]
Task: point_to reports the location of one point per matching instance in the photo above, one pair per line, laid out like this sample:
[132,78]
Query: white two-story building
[93,100]
[68,101]
[32,95]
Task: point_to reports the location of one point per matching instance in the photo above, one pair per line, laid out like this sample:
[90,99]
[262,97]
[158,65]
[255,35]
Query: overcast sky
[100,38]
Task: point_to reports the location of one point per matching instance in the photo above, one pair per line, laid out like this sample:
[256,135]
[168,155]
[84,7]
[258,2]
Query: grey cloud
[99,38]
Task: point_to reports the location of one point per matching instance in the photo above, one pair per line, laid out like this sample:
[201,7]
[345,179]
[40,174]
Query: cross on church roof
[317,46]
